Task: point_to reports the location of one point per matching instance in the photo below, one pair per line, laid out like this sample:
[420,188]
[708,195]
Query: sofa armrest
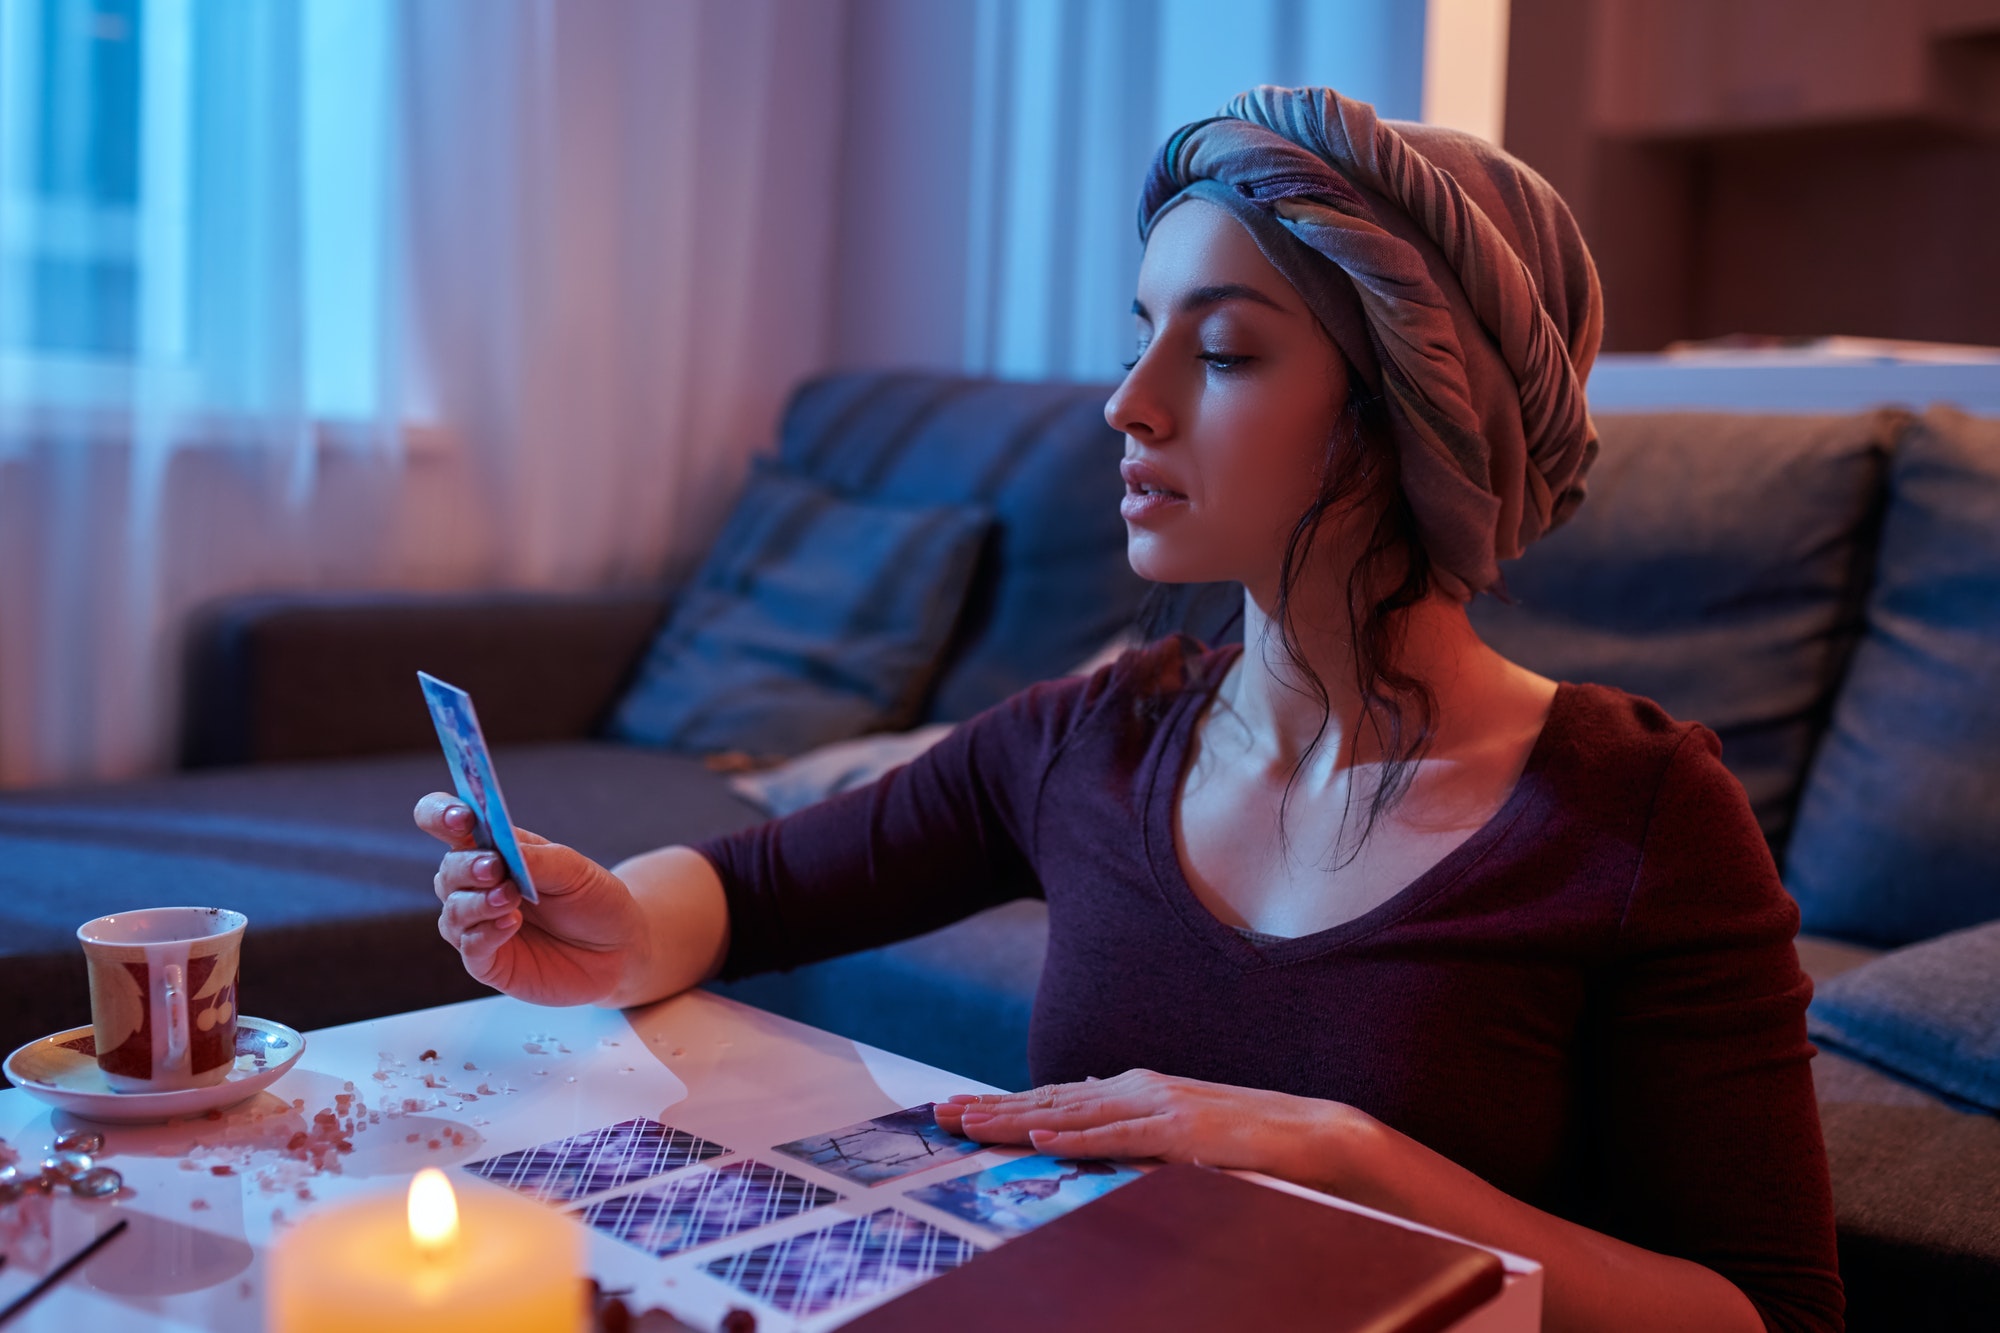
[322,676]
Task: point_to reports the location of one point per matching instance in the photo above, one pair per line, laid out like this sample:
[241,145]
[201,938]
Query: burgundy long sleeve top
[1593,1003]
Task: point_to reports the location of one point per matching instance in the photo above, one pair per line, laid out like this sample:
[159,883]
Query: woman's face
[1228,410]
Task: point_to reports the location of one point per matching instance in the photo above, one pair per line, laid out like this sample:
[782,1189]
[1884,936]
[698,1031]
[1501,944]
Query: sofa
[1822,590]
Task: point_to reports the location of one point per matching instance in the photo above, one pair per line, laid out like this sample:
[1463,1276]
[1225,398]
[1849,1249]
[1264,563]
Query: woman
[1363,905]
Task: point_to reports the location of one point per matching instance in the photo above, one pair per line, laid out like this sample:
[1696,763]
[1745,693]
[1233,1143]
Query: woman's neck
[1281,715]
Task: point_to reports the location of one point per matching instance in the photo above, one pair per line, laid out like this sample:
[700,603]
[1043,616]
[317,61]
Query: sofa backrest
[1053,587]
[1718,566]
[1899,830]
[1721,564]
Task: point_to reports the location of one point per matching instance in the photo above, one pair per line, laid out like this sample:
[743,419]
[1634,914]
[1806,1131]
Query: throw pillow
[845,765]
[1039,457]
[1899,827]
[815,618]
[832,769]
[1929,1013]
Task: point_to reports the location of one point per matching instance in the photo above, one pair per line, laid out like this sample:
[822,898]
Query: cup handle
[177,1015]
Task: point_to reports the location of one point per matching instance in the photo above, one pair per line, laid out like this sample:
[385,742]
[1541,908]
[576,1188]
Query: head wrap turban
[1451,276]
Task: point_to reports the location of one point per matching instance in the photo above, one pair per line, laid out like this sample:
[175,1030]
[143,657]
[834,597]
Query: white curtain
[369,294]
[1003,143]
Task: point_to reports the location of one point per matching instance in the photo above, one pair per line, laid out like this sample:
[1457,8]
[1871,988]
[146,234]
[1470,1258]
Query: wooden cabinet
[1681,68]
[1791,167]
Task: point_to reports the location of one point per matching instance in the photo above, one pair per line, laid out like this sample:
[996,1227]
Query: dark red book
[1186,1247]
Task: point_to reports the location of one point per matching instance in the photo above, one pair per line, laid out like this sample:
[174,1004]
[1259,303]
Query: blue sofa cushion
[1053,586]
[1929,1013]
[1899,827]
[815,617]
[1718,567]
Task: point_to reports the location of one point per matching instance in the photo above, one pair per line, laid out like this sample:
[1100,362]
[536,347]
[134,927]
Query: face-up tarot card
[859,1257]
[710,1204]
[883,1148]
[601,1160]
[1016,1197]
[472,773]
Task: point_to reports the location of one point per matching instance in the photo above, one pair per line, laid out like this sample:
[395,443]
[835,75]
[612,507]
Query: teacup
[163,995]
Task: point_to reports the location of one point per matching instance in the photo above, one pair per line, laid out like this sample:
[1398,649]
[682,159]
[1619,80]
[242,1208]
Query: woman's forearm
[1591,1281]
[685,934]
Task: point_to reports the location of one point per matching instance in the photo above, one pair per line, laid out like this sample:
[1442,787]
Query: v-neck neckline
[1162,848]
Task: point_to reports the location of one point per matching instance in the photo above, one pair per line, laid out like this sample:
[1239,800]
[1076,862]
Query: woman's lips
[1149,493]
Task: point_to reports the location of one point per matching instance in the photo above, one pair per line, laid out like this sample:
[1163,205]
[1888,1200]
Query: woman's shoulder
[1168,668]
[1657,784]
[1627,759]
[1607,731]
[1139,684]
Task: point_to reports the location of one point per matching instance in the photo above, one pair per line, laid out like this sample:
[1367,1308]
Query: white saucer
[62,1071]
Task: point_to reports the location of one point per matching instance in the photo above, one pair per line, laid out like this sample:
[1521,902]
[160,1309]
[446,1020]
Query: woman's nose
[1133,409]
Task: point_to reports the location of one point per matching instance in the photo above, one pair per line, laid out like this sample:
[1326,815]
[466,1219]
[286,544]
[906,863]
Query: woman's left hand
[1144,1114]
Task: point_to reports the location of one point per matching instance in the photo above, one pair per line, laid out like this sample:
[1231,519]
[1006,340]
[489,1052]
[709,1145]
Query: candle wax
[514,1265]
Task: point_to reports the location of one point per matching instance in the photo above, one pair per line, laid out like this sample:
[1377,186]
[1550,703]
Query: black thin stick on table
[27,1298]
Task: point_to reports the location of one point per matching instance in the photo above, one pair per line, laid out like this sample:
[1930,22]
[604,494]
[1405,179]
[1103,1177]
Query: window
[70,173]
[195,190]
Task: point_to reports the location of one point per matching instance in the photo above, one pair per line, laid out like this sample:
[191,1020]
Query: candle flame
[433,1211]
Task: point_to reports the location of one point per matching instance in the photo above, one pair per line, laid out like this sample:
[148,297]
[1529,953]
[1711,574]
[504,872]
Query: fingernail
[974,1118]
[458,817]
[487,867]
[962,1099]
[1041,1138]
[498,897]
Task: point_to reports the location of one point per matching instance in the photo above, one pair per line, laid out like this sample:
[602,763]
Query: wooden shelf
[1702,69]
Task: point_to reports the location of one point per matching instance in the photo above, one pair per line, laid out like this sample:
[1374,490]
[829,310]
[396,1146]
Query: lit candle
[417,1261]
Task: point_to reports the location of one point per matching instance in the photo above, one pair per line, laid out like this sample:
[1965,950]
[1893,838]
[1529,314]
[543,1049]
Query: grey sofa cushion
[1899,827]
[1717,567]
[815,617]
[322,857]
[1913,1199]
[1929,1013]
[1053,585]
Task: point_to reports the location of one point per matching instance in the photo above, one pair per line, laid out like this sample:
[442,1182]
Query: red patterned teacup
[163,995]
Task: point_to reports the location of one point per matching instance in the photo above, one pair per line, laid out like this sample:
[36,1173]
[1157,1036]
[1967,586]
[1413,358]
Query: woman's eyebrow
[1203,297]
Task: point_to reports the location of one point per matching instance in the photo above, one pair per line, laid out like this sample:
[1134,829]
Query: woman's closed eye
[1219,360]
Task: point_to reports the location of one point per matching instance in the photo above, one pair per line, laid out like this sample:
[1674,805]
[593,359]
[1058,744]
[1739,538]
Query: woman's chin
[1158,561]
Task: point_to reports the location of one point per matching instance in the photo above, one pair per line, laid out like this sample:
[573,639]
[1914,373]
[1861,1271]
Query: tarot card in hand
[472,772]
[1016,1197]
[883,1148]
[818,1270]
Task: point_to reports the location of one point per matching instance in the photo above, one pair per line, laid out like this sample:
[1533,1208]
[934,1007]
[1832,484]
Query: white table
[193,1256]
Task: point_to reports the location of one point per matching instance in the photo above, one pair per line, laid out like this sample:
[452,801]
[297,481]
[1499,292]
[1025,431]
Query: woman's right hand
[580,944]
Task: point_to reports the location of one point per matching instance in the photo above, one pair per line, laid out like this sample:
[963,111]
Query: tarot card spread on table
[862,1256]
[705,1205]
[1016,1197]
[471,767]
[598,1161]
[883,1148]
